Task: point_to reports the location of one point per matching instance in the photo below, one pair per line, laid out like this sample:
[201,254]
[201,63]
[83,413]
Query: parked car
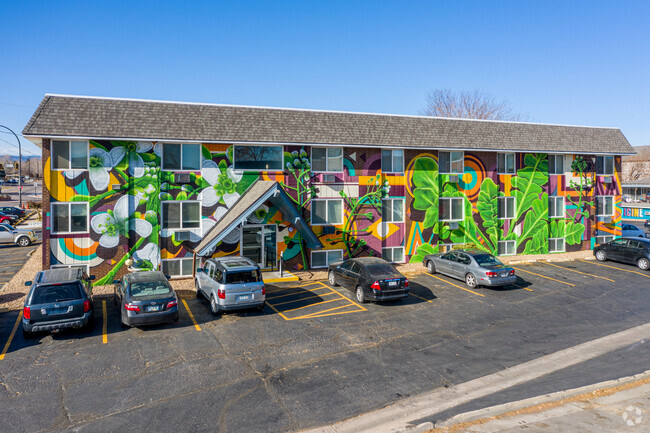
[58,299]
[22,237]
[646,224]
[12,210]
[476,268]
[369,278]
[10,219]
[627,250]
[145,298]
[231,283]
[631,231]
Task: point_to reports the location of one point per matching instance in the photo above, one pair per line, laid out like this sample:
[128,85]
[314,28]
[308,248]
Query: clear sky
[567,62]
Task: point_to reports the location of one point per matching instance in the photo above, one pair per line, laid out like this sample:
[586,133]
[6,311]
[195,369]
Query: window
[69,218]
[69,155]
[181,156]
[392,210]
[178,267]
[322,259]
[392,160]
[555,207]
[71,265]
[326,211]
[506,163]
[393,254]
[604,239]
[258,157]
[327,159]
[452,208]
[451,162]
[556,245]
[506,248]
[181,215]
[556,164]
[605,205]
[506,207]
[605,165]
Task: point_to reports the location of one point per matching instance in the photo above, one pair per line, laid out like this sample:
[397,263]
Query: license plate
[55,311]
[244,297]
[153,308]
[504,274]
[392,283]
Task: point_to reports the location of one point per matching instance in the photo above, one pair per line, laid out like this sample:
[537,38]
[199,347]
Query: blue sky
[566,62]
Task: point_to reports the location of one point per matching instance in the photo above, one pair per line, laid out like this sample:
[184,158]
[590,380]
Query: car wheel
[332,278]
[470,280]
[601,256]
[261,307]
[214,307]
[643,264]
[431,268]
[123,324]
[361,295]
[23,241]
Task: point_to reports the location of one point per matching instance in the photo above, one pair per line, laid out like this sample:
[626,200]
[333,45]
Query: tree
[474,104]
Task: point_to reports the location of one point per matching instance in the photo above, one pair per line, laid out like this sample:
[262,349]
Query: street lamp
[20,164]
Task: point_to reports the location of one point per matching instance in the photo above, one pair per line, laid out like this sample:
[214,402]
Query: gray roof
[77,116]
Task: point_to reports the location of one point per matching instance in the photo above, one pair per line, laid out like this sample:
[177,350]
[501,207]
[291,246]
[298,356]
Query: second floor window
[181,156]
[506,163]
[555,207]
[327,159]
[181,214]
[258,157]
[556,164]
[392,210]
[69,155]
[452,208]
[392,160]
[605,205]
[451,162]
[326,212]
[605,165]
[506,207]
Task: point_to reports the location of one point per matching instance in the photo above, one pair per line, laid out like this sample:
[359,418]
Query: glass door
[258,243]
[270,253]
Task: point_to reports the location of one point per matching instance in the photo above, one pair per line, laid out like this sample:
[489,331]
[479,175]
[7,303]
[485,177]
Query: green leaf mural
[425,181]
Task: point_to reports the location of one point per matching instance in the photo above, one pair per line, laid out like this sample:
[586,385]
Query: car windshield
[380,269]
[56,293]
[242,277]
[149,288]
[487,260]
[9,226]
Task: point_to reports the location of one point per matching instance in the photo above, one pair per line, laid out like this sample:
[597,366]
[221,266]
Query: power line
[13,145]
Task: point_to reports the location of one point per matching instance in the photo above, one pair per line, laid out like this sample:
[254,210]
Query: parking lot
[313,356]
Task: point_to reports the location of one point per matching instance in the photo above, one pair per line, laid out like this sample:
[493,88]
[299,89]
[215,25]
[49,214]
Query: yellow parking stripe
[278,311]
[455,285]
[424,299]
[303,290]
[308,297]
[311,305]
[578,272]
[543,276]
[104,323]
[318,314]
[522,287]
[614,267]
[349,300]
[11,336]
[187,307]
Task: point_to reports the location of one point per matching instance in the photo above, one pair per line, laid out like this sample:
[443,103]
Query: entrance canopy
[253,198]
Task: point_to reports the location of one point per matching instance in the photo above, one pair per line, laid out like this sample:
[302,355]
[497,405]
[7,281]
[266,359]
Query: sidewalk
[622,405]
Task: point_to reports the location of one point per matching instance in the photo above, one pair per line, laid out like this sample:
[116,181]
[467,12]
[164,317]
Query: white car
[12,235]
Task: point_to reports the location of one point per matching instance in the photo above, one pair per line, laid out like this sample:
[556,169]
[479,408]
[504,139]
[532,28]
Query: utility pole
[20,164]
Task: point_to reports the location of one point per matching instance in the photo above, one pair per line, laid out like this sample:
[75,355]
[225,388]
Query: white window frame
[179,259]
[69,153]
[383,203]
[327,159]
[327,258]
[162,158]
[605,158]
[514,206]
[501,169]
[556,198]
[392,161]
[556,250]
[604,239]
[556,157]
[328,223]
[598,201]
[71,265]
[462,162]
[243,170]
[506,243]
[58,203]
[392,254]
[181,228]
[450,207]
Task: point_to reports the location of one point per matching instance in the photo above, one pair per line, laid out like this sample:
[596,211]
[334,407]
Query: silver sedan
[477,268]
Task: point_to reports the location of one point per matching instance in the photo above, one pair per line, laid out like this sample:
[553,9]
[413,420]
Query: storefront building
[161,185]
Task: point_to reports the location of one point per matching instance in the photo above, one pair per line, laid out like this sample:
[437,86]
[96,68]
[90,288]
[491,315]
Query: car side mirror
[198,271]
[28,283]
[116,281]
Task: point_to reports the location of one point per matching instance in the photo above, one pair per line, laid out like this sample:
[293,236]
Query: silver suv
[231,283]
[12,235]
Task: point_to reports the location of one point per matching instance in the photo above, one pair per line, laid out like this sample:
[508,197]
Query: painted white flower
[150,252]
[100,164]
[136,164]
[112,224]
[222,185]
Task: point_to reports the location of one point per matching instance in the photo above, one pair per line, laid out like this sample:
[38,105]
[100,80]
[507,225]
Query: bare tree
[474,104]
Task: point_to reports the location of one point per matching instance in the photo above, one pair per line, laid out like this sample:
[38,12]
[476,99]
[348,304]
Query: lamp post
[20,164]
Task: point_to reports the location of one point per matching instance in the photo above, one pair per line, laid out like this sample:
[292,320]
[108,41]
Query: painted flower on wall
[133,149]
[147,257]
[113,223]
[222,185]
[100,164]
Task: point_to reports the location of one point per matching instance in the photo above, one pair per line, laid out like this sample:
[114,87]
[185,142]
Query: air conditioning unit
[453,225]
[453,178]
[607,219]
[182,178]
[182,236]
[607,179]
[329,178]
[116,186]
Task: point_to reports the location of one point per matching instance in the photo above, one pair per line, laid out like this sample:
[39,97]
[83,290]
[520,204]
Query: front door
[258,243]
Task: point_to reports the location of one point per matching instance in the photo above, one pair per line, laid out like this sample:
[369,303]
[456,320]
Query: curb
[503,410]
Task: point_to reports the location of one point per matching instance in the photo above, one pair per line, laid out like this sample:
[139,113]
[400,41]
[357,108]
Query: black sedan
[145,298]
[12,210]
[370,278]
[635,251]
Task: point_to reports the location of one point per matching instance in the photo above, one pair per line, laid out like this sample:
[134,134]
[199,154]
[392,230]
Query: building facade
[160,185]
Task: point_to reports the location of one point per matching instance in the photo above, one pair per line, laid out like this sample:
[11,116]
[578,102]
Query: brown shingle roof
[74,116]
